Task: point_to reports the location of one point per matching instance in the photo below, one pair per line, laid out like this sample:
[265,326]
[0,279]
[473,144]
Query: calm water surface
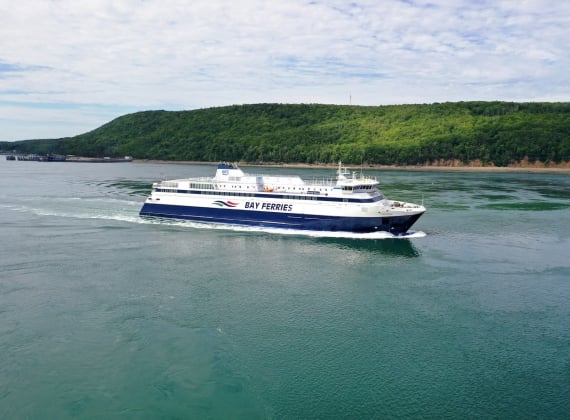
[106,315]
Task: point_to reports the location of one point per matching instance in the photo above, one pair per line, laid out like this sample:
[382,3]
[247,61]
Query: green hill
[492,132]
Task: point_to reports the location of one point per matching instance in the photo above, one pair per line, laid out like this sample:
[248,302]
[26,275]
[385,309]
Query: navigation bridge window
[357,187]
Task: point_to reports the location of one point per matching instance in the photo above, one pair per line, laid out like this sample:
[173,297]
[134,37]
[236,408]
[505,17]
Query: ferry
[349,202]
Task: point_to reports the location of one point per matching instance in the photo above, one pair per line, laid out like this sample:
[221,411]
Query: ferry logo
[228,203]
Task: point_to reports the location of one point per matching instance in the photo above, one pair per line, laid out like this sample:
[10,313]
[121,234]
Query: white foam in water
[277,231]
[348,235]
[90,208]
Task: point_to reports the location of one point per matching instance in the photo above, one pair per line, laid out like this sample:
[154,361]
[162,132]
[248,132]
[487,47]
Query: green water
[105,315]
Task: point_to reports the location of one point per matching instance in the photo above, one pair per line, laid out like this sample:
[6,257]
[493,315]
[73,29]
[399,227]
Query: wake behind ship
[351,202]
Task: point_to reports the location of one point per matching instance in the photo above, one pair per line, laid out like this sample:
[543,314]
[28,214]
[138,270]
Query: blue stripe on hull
[396,224]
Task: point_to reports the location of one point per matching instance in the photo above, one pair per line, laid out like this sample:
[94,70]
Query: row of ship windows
[358,187]
[237,194]
[284,196]
[254,187]
[202,186]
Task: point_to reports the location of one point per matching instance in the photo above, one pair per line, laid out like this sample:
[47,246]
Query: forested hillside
[496,133]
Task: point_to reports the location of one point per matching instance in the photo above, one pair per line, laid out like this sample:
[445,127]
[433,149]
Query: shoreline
[417,168]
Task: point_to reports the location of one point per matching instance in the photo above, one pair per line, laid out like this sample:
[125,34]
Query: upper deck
[230,178]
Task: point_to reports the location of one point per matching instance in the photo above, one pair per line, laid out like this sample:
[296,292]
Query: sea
[104,314]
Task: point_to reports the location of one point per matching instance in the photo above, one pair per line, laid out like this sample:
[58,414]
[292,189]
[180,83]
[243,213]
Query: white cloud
[101,58]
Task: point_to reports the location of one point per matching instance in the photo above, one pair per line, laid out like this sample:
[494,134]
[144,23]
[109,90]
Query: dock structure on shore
[62,158]
[37,158]
[99,160]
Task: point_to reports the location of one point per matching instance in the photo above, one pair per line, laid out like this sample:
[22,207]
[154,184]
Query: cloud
[103,58]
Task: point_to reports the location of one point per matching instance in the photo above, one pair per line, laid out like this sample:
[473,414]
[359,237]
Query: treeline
[492,132]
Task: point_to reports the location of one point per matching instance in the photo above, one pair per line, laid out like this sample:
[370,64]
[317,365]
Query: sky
[70,66]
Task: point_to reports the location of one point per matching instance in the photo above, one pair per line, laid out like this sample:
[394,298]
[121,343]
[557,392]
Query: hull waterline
[395,225]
